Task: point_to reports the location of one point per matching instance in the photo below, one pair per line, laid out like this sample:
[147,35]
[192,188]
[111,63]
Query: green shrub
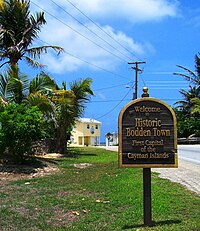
[187,125]
[20,126]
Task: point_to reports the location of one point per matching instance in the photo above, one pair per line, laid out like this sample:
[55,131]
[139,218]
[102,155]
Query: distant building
[86,132]
[111,139]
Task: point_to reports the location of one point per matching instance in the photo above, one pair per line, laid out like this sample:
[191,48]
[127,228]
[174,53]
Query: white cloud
[82,48]
[131,10]
[64,35]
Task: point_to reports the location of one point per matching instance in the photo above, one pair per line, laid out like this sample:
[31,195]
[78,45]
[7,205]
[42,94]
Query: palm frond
[63,96]
[192,77]
[41,101]
[14,85]
[42,83]
[3,102]
[196,107]
[3,85]
[83,92]
[33,63]
[197,66]
[37,51]
[188,70]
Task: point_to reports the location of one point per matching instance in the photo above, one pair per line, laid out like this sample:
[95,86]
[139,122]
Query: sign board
[147,135]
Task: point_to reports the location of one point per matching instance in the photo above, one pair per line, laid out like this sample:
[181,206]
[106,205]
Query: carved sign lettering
[147,134]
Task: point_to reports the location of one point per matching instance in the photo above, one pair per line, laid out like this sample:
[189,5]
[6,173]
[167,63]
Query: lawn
[95,196]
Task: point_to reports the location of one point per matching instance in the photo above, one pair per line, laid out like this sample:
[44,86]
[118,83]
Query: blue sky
[163,33]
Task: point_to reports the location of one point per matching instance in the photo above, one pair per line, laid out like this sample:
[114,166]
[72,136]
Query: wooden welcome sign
[147,135]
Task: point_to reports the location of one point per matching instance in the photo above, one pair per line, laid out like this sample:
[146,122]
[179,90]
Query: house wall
[86,133]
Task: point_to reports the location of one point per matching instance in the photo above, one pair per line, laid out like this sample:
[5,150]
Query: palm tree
[18,29]
[63,100]
[192,77]
[13,85]
[196,107]
[190,104]
[70,105]
[15,88]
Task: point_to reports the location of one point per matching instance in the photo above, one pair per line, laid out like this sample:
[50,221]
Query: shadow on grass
[74,152]
[27,166]
[158,223]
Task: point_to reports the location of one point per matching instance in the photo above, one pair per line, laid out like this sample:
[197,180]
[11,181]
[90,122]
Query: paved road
[189,153]
[188,171]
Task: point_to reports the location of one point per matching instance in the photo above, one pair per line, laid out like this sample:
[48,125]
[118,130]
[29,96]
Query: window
[92,130]
[96,126]
[88,126]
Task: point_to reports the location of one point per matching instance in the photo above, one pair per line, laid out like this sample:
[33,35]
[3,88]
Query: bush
[20,126]
[187,125]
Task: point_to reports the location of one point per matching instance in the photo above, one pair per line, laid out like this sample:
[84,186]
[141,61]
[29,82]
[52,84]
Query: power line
[119,85]
[108,101]
[118,57]
[114,106]
[119,100]
[90,30]
[91,64]
[103,30]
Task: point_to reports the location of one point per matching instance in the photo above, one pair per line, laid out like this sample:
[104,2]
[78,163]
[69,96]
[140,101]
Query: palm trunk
[61,141]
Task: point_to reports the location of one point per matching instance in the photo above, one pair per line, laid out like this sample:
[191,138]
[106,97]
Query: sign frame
[120,128]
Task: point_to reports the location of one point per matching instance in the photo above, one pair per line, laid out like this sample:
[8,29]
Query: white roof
[89,120]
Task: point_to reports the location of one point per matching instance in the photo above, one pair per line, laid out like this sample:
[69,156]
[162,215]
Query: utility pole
[136,75]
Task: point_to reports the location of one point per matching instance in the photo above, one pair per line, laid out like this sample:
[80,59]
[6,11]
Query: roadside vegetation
[188,109]
[91,193]
[58,106]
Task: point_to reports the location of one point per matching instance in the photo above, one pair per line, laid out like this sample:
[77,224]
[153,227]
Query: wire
[114,106]
[103,30]
[90,30]
[91,64]
[162,72]
[144,83]
[118,57]
[119,85]
[108,101]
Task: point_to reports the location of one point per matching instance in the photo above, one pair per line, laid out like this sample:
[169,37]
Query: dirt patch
[52,155]
[46,166]
[13,173]
[82,165]
[62,218]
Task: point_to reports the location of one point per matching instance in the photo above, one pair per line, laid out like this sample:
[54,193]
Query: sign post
[147,139]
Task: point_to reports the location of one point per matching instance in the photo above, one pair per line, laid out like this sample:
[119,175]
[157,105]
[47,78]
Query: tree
[191,76]
[192,96]
[70,105]
[18,29]
[196,106]
[188,113]
[20,126]
[188,104]
[16,88]
[187,125]
[13,85]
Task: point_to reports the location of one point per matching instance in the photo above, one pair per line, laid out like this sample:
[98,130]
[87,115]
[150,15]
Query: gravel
[187,174]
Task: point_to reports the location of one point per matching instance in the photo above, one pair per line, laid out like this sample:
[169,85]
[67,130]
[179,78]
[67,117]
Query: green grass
[100,197]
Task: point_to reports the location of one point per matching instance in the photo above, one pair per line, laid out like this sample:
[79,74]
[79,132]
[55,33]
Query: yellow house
[86,132]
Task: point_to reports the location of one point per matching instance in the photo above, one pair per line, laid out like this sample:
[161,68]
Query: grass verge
[99,196]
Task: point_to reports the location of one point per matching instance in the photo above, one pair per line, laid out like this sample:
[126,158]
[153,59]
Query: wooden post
[147,196]
[147,186]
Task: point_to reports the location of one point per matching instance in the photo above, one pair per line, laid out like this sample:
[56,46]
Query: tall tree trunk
[61,141]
